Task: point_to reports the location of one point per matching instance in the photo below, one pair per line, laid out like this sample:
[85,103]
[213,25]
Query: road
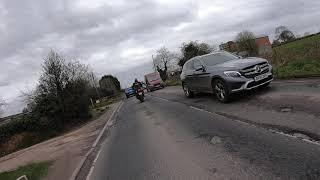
[167,138]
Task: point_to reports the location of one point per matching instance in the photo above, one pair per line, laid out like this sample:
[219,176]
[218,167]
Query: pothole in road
[203,135]
[215,140]
[286,109]
[213,170]
[301,136]
[314,85]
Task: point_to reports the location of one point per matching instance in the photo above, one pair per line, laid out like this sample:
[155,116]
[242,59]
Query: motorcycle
[140,95]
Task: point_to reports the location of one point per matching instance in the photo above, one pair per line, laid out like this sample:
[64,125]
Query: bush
[63,92]
[27,123]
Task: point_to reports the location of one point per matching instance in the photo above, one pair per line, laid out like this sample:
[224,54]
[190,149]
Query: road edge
[79,166]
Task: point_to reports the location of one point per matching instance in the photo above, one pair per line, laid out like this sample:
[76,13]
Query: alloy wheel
[220,91]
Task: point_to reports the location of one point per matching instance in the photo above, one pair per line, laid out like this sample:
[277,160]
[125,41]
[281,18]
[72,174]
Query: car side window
[197,64]
[189,65]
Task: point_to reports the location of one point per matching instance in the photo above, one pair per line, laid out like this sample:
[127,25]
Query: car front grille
[250,72]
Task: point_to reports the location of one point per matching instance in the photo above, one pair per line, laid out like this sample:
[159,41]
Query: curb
[78,168]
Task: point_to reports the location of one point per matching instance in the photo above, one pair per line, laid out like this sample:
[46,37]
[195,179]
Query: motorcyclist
[136,86]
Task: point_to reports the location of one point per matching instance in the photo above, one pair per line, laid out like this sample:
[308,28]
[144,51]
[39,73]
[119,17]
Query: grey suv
[224,73]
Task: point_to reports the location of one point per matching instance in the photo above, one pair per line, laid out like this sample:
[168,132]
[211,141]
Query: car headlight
[232,73]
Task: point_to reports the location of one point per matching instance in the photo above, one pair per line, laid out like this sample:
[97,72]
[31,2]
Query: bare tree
[163,60]
[246,42]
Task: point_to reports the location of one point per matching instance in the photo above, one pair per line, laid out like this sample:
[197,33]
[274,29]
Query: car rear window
[217,58]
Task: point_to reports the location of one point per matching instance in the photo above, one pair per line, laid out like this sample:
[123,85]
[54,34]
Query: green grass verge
[97,112]
[34,171]
[299,47]
[299,58]
[173,82]
[301,68]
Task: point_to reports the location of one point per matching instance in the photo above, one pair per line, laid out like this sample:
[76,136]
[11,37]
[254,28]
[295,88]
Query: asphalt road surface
[164,139]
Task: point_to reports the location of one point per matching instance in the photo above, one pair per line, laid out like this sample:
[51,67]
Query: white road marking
[97,140]
[93,165]
[78,168]
[95,160]
[106,125]
[192,107]
[312,142]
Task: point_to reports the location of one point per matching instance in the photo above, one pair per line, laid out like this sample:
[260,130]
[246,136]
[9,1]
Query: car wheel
[221,91]
[127,96]
[187,91]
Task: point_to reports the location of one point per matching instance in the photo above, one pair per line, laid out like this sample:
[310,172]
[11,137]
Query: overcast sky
[114,36]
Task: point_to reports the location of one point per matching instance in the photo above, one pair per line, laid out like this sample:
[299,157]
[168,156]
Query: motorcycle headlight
[232,73]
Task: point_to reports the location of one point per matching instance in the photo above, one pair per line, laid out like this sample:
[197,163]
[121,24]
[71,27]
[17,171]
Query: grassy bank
[299,58]
[298,68]
[173,80]
[25,131]
[34,171]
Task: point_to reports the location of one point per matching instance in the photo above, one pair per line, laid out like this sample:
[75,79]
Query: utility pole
[94,85]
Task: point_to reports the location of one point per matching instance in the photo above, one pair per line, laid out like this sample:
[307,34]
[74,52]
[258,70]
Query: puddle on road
[215,140]
[286,109]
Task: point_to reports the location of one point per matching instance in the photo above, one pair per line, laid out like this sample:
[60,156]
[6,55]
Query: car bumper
[152,88]
[130,94]
[242,84]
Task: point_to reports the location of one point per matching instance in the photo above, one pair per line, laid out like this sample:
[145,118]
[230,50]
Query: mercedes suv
[223,74]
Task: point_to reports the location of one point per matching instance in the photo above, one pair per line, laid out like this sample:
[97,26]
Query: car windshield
[218,58]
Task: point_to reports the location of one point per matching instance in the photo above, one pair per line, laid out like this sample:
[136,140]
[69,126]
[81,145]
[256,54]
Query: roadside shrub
[63,93]
[19,125]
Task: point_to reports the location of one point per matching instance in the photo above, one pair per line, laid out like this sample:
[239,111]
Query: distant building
[263,44]
[230,46]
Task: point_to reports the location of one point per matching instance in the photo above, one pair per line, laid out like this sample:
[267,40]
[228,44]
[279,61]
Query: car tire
[221,91]
[187,91]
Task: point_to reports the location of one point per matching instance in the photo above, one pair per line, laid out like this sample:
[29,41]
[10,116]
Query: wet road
[161,139]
